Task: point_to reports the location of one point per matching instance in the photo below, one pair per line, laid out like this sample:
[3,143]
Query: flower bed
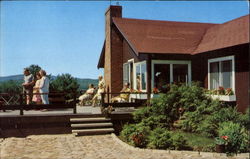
[186,116]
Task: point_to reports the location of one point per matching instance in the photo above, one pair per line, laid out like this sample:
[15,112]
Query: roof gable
[150,36]
[234,32]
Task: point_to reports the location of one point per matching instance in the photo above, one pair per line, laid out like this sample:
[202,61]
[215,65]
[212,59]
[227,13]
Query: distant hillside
[82,82]
[85,82]
[14,78]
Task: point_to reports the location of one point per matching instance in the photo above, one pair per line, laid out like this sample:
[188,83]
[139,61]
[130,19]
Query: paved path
[85,147]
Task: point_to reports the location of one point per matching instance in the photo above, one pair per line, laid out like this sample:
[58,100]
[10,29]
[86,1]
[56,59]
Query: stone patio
[89,147]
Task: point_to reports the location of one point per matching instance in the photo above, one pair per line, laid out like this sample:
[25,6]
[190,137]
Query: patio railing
[17,101]
[135,99]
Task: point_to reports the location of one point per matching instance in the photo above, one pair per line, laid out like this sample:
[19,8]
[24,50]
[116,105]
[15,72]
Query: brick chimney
[113,66]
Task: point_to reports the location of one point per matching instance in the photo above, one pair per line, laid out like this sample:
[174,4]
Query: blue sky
[67,36]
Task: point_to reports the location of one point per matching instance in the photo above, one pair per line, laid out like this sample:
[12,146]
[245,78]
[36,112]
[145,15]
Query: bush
[179,142]
[141,114]
[194,112]
[126,132]
[160,138]
[236,136]
[156,121]
[136,134]
[210,124]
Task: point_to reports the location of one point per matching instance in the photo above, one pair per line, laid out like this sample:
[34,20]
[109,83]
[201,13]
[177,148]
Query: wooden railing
[136,99]
[55,103]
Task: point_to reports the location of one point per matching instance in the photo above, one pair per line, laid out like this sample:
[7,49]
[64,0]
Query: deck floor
[80,109]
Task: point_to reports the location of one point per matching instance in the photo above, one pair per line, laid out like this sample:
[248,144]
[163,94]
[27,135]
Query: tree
[34,69]
[65,83]
[10,87]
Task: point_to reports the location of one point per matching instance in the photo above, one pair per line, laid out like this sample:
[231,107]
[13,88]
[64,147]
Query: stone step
[81,132]
[92,125]
[99,119]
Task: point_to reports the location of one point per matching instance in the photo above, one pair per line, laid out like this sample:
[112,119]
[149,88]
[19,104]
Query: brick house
[157,53]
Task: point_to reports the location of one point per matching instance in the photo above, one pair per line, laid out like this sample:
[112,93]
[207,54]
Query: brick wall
[113,51]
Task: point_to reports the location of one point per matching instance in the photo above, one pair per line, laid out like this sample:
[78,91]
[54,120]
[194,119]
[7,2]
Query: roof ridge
[236,19]
[165,21]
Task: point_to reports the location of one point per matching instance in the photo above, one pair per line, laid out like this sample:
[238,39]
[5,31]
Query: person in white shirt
[44,87]
[87,95]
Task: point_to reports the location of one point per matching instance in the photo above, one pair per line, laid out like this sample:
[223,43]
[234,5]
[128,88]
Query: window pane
[138,78]
[161,76]
[131,74]
[125,73]
[226,71]
[214,75]
[143,76]
[180,73]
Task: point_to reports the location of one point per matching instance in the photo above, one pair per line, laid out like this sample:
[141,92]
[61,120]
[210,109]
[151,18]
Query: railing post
[108,94]
[102,99]
[74,103]
[21,103]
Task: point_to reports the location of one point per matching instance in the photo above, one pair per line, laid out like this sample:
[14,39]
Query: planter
[226,98]
[220,148]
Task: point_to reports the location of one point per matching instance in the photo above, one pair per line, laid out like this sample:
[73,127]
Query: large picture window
[140,73]
[221,72]
[165,72]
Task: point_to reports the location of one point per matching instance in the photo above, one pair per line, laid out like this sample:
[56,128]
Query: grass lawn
[199,142]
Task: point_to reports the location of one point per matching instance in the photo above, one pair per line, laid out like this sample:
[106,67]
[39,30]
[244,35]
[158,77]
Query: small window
[221,73]
[125,73]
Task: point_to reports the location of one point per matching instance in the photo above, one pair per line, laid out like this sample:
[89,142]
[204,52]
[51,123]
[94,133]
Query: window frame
[146,74]
[220,60]
[171,63]
[129,70]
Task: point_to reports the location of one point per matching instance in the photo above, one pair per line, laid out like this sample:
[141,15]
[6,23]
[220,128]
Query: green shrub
[126,132]
[179,142]
[210,124]
[139,138]
[141,114]
[136,134]
[160,138]
[156,122]
[236,136]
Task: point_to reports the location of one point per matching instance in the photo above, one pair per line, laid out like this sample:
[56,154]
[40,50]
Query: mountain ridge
[83,82]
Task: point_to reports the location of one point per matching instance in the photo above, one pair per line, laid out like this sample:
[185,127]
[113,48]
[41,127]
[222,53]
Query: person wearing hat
[28,85]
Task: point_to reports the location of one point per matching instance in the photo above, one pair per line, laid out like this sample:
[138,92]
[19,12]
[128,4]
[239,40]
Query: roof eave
[125,37]
[102,56]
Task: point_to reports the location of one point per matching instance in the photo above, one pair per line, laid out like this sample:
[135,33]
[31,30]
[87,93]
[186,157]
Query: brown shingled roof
[228,34]
[151,36]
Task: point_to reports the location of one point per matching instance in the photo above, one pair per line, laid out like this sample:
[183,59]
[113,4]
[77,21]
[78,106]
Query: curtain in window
[143,76]
[138,77]
[226,72]
[214,75]
[125,73]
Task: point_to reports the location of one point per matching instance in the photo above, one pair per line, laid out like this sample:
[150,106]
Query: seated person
[97,96]
[124,96]
[87,95]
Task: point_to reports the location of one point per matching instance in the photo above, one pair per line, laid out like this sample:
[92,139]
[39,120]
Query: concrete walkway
[88,147]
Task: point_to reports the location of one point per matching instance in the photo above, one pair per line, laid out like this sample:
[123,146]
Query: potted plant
[221,143]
